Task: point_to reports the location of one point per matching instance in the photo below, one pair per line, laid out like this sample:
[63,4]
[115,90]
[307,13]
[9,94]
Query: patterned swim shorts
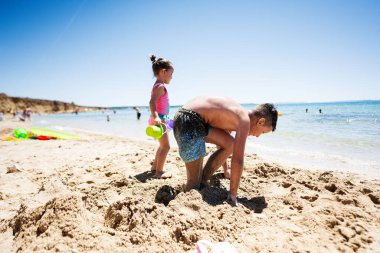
[190,131]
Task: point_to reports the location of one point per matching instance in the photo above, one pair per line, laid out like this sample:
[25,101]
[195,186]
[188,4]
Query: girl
[159,108]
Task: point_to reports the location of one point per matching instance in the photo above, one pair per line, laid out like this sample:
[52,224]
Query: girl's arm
[156,93]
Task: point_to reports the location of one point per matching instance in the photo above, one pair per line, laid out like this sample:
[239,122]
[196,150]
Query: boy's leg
[194,174]
[225,141]
[227,172]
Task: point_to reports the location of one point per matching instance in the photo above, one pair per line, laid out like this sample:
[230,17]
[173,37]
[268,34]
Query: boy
[209,119]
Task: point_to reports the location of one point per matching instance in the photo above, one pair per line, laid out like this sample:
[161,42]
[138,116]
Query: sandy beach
[97,194]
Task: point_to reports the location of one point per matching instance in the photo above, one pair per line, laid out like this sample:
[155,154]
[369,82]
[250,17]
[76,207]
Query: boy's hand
[233,200]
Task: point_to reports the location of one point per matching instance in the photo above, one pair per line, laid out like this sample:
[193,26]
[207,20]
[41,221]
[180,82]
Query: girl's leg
[161,154]
[154,165]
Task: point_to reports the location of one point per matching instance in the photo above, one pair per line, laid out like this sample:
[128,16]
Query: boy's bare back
[220,112]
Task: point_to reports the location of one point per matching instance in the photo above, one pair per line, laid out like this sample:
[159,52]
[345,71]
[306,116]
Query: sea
[343,136]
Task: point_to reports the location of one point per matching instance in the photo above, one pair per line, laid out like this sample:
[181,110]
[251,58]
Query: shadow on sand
[145,176]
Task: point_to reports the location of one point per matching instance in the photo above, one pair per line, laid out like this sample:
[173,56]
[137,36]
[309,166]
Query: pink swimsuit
[162,103]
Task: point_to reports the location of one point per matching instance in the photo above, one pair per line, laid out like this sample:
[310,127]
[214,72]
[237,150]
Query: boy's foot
[227,173]
[232,200]
[163,175]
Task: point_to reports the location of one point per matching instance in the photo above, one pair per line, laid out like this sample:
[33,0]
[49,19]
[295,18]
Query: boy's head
[162,68]
[263,119]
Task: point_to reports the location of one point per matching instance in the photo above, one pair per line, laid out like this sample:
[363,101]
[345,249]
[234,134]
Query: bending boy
[209,119]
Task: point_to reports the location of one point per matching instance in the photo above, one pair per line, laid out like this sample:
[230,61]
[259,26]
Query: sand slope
[97,195]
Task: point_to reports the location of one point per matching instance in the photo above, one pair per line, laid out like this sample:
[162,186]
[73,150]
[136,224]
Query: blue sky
[96,52]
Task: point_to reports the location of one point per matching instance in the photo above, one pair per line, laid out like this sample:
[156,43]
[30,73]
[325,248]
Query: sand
[97,194]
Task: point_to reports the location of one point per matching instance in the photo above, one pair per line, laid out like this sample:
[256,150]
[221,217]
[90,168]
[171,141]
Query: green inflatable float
[52,133]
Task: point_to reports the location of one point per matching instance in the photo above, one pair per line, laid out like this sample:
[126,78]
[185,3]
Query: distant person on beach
[209,119]
[320,110]
[26,113]
[108,118]
[307,110]
[159,109]
[138,112]
[14,113]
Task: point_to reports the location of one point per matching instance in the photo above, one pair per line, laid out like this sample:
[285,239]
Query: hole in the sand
[331,187]
[165,194]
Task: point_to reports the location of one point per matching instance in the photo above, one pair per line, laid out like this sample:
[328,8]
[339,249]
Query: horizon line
[276,103]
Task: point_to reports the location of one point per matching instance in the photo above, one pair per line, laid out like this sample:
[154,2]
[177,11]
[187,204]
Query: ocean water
[345,136]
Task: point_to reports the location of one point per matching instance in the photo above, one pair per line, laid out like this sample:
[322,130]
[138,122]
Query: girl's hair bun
[153,58]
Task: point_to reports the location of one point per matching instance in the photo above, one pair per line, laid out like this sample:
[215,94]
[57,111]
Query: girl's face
[167,75]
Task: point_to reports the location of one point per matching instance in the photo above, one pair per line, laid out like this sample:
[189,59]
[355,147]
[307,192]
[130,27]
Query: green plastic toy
[154,131]
[20,133]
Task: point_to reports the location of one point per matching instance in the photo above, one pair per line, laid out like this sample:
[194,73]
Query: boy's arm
[237,161]
[156,93]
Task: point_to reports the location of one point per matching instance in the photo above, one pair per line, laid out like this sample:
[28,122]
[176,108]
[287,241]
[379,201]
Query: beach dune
[97,194]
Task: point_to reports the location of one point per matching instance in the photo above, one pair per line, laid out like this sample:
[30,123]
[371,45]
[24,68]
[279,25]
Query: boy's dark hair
[160,63]
[268,112]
